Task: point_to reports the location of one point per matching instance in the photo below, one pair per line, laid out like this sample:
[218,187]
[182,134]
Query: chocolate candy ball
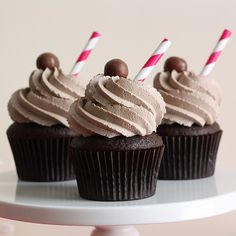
[116,67]
[175,63]
[47,60]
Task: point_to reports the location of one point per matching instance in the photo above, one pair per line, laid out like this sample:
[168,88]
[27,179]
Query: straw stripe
[208,68]
[78,67]
[213,58]
[83,56]
[225,34]
[85,53]
[153,60]
[222,42]
[92,43]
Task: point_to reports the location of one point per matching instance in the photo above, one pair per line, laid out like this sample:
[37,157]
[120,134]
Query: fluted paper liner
[42,160]
[189,157]
[116,175]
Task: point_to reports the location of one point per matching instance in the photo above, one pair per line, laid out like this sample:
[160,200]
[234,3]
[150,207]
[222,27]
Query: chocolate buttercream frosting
[190,99]
[115,106]
[47,99]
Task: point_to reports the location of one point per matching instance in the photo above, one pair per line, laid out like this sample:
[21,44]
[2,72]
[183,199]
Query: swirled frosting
[47,99]
[190,99]
[115,106]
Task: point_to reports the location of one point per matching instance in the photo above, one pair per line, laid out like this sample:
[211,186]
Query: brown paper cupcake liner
[116,175]
[42,160]
[189,157]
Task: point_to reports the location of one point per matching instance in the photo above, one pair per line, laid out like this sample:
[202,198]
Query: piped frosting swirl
[47,99]
[190,99]
[115,106]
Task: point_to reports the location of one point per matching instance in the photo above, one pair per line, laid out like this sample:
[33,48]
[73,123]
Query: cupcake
[117,154]
[189,129]
[39,136]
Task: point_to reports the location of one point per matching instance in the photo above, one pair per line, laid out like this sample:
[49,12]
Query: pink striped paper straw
[152,61]
[223,40]
[85,53]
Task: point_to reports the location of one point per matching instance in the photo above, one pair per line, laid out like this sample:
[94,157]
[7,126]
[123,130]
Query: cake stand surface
[60,204]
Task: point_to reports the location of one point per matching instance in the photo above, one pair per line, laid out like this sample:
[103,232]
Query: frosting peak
[115,106]
[189,98]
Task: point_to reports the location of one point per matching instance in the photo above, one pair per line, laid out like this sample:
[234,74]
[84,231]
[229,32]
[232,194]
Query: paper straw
[223,40]
[152,61]
[85,53]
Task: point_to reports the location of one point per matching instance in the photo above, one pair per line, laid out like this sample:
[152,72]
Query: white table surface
[60,204]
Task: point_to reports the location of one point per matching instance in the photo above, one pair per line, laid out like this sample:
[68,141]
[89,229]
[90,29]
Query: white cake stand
[60,204]
[5,227]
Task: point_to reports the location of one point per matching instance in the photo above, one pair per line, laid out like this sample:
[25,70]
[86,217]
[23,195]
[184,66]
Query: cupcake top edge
[190,99]
[114,105]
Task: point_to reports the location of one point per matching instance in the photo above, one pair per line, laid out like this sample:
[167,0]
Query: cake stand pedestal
[60,204]
[115,231]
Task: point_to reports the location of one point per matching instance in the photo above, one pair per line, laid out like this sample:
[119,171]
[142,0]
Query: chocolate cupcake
[189,129]
[39,136]
[118,154]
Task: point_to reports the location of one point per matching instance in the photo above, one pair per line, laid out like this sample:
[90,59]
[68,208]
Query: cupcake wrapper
[42,160]
[116,175]
[189,157]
